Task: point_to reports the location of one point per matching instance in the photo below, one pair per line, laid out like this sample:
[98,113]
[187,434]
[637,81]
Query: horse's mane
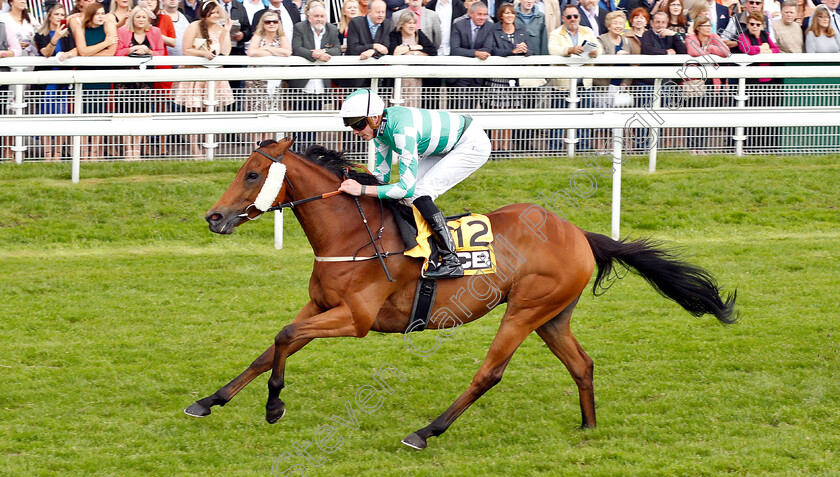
[335,162]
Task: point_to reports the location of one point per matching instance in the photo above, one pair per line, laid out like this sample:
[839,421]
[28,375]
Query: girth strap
[424,300]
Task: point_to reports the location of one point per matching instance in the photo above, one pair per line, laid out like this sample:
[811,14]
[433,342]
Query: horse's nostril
[214,217]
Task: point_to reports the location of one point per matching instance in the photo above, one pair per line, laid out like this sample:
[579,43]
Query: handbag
[623,99]
[693,88]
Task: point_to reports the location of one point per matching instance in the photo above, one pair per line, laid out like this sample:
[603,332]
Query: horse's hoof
[414,441]
[274,415]
[197,410]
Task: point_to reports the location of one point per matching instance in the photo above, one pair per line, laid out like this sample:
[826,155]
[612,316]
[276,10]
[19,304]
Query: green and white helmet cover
[362,103]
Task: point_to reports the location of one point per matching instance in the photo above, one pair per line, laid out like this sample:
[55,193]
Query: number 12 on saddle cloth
[472,235]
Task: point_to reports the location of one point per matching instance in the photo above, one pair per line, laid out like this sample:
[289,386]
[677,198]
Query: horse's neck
[334,225]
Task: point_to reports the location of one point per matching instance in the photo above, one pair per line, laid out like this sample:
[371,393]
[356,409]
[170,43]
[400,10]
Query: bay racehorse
[545,264]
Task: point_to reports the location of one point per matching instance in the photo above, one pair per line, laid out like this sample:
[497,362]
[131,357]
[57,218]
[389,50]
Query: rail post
[573,102]
[657,103]
[618,144]
[75,169]
[210,143]
[371,151]
[18,106]
[278,214]
[742,98]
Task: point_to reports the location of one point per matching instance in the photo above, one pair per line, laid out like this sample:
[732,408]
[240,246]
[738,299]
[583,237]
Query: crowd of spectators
[373,28]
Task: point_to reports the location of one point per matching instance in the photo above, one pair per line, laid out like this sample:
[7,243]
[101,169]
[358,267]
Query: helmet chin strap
[375,123]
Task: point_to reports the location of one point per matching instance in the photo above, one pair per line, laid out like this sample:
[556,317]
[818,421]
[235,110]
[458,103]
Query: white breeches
[438,174]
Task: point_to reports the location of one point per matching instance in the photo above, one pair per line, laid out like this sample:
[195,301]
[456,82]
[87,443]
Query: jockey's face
[366,133]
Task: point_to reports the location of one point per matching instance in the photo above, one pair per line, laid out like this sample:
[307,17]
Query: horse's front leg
[335,322]
[263,363]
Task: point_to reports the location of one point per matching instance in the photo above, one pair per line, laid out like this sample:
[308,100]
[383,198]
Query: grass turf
[119,308]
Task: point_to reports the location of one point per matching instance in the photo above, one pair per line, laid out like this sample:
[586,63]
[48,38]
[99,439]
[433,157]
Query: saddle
[473,238]
[424,297]
[407,223]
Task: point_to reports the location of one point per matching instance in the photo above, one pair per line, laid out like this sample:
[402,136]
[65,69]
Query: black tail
[692,287]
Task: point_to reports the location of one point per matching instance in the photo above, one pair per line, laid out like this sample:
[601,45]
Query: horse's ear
[284,144]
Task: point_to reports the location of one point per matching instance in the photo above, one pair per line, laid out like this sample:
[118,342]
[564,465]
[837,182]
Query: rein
[292,204]
[277,182]
[380,255]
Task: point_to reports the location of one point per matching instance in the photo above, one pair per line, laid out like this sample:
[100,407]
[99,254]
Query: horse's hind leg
[510,335]
[558,336]
[221,397]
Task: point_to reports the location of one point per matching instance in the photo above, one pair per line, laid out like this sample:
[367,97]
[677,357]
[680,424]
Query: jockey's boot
[449,265]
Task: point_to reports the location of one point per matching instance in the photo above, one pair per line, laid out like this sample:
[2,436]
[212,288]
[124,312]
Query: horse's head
[258,185]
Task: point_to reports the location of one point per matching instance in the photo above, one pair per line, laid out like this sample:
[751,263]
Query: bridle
[274,185]
[284,205]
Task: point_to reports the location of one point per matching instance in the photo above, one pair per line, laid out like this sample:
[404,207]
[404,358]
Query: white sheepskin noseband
[271,187]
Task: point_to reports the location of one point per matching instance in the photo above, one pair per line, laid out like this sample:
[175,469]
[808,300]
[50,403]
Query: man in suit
[471,38]
[592,16]
[289,16]
[367,37]
[466,14]
[315,40]
[659,40]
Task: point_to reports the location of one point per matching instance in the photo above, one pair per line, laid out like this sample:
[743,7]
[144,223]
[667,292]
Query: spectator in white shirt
[251,8]
[180,22]
[447,11]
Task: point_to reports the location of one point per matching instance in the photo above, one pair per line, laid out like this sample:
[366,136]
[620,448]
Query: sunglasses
[569,17]
[359,123]
[755,3]
[356,124]
[755,24]
[271,22]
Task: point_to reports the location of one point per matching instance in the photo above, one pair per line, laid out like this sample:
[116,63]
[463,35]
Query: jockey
[436,150]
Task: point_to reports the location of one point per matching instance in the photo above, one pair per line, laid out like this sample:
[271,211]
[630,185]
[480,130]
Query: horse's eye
[253,175]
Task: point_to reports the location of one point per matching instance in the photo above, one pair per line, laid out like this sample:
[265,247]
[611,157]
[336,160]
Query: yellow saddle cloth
[472,235]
